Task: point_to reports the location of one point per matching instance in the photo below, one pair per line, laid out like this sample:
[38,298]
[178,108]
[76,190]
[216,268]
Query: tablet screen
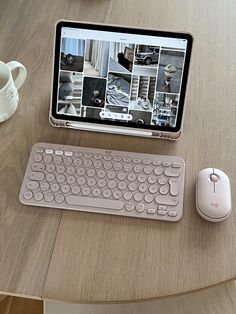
[120,76]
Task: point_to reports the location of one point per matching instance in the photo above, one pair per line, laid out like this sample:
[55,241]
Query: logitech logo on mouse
[215,205]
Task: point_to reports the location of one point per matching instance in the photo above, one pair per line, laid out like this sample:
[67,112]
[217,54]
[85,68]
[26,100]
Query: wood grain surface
[101,258]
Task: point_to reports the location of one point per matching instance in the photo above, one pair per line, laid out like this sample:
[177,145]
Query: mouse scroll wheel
[214,177]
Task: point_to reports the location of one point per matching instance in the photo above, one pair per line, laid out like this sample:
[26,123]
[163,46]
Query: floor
[217,300]
[89,69]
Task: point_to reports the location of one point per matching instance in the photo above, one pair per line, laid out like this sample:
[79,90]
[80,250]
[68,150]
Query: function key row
[98,163]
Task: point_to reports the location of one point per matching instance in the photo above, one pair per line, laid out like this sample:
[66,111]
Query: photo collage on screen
[119,81]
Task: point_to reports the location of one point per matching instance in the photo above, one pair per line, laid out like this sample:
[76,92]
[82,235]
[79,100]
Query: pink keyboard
[104,181]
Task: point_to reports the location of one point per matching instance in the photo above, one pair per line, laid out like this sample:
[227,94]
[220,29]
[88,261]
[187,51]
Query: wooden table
[87,258]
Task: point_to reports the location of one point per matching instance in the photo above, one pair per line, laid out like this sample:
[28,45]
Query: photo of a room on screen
[94,90]
[72,54]
[121,57]
[69,93]
[143,88]
[165,109]
[96,58]
[118,89]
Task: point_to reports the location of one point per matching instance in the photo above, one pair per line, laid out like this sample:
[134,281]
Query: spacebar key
[94,202]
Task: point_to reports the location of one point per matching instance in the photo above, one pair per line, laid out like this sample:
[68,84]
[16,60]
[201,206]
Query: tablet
[119,79]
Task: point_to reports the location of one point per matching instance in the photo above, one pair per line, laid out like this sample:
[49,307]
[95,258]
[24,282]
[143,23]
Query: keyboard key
[38,196]
[38,167]
[80,171]
[94,202]
[151,211]
[117,194]
[50,177]
[153,189]
[44,186]
[112,184]
[147,162]
[122,185]
[55,187]
[147,170]
[176,165]
[59,198]
[142,178]
[169,172]
[140,208]
[60,169]
[117,166]
[88,155]
[86,190]
[47,159]
[126,159]
[152,179]
[96,192]
[91,173]
[38,157]
[28,195]
[106,193]
[67,161]
[127,167]
[66,189]
[111,175]
[87,163]
[174,186]
[164,189]
[101,174]
[81,181]
[97,164]
[129,207]
[158,171]
[166,164]
[143,187]
[161,212]
[162,180]
[49,197]
[138,168]
[131,177]
[132,186]
[102,183]
[172,213]
[121,176]
[91,182]
[49,151]
[77,162]
[39,150]
[128,196]
[70,170]
[138,197]
[36,176]
[50,168]
[75,189]
[57,160]
[32,185]
[67,153]
[148,198]
[58,152]
[61,178]
[166,199]
[161,207]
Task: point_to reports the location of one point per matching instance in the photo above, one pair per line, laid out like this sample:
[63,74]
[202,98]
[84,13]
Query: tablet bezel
[120,29]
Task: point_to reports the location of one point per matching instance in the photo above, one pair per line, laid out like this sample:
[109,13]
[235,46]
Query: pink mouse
[213,195]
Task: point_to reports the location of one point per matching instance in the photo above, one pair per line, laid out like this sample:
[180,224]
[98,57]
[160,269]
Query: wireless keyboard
[104,181]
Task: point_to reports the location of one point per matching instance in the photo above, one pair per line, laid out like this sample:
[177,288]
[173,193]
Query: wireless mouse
[213,195]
